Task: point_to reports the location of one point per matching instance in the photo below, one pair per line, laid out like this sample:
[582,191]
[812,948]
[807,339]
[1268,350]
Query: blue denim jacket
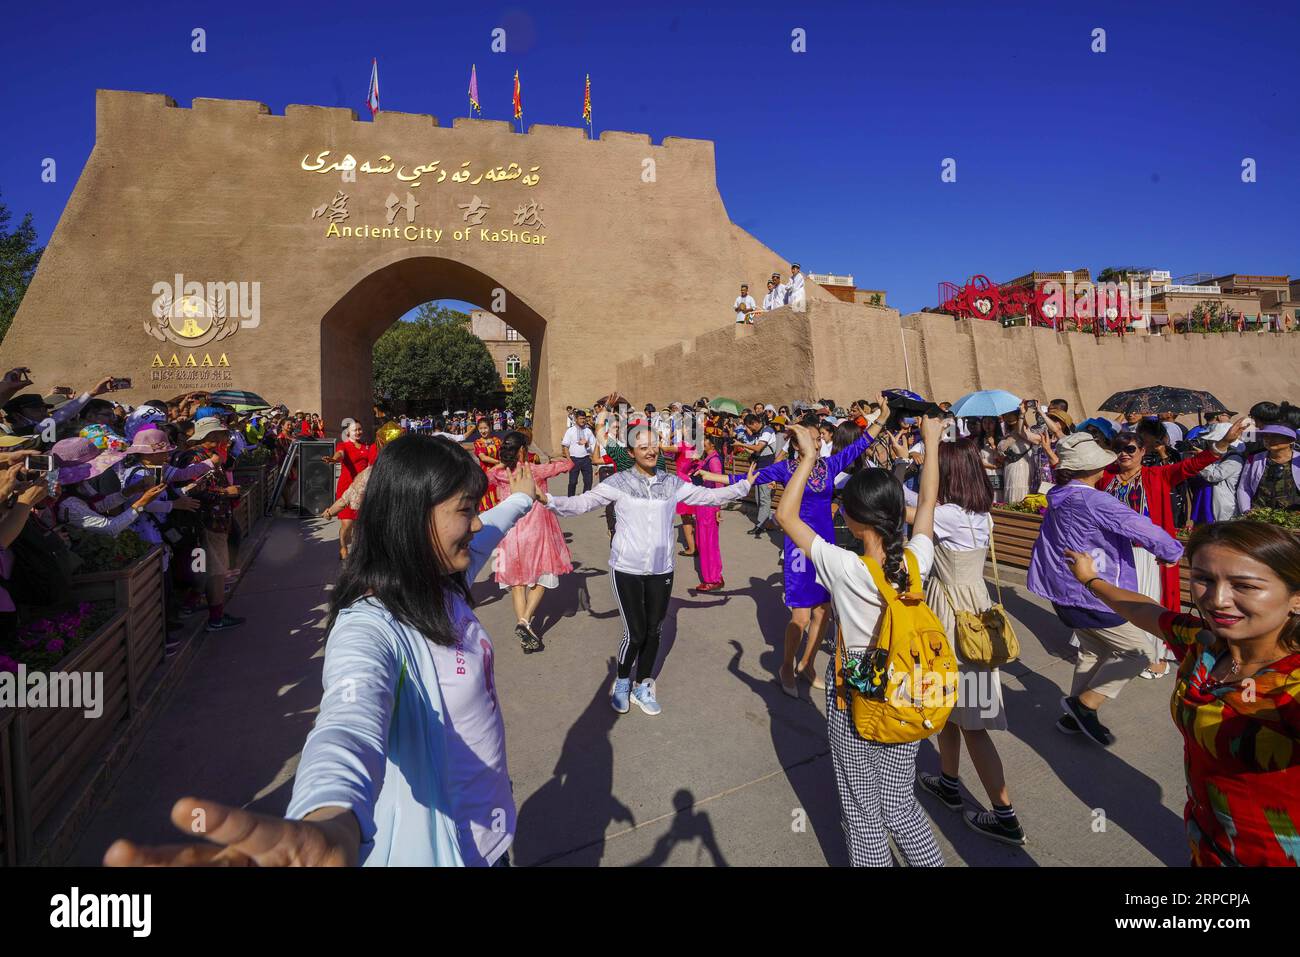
[1081,518]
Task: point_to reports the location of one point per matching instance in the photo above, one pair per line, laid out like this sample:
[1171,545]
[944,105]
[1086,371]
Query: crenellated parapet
[118,110]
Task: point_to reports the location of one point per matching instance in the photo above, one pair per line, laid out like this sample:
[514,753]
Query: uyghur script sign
[434,170]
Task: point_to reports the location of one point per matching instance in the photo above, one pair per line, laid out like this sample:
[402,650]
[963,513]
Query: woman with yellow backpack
[893,680]
[981,634]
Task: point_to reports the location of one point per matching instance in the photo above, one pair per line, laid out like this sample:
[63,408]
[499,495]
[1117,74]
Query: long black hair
[873,497]
[846,433]
[511,446]
[393,556]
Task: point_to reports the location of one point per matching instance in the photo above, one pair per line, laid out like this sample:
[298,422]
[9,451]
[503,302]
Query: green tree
[424,359]
[19,255]
[1114,273]
[435,315]
[521,399]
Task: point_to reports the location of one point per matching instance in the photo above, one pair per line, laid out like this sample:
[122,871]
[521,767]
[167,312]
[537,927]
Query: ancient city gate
[316,232]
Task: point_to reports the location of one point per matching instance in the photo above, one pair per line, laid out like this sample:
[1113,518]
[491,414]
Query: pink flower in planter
[8,664]
[55,646]
[85,608]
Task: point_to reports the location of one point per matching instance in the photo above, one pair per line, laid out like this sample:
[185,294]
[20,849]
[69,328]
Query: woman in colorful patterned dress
[533,555]
[1237,698]
[487,449]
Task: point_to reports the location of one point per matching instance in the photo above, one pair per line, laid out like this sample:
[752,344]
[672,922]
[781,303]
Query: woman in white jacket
[383,779]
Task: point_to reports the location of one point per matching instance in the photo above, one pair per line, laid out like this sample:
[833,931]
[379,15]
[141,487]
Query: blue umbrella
[988,402]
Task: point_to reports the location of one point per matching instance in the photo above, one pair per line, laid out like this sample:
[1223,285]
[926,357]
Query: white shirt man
[744,304]
[794,295]
[579,440]
[780,291]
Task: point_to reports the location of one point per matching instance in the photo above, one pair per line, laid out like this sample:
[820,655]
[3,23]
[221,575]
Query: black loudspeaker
[315,478]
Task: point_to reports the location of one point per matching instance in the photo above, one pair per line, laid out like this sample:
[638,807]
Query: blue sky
[1065,157]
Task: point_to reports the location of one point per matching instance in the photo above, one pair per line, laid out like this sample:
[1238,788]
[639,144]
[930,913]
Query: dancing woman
[875,780]
[685,463]
[1236,701]
[487,449]
[641,556]
[963,531]
[355,456]
[406,763]
[804,596]
[533,555]
[707,543]
[356,491]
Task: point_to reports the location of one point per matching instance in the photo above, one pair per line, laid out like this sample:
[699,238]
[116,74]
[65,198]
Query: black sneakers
[992,826]
[1081,720]
[933,784]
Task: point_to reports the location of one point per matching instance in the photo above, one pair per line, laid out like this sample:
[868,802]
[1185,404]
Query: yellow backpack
[906,686]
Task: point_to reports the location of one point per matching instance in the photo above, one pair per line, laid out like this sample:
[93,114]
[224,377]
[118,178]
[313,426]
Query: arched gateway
[223,246]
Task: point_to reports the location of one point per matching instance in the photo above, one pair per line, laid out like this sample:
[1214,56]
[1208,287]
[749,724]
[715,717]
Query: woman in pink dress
[533,555]
[706,523]
[683,456]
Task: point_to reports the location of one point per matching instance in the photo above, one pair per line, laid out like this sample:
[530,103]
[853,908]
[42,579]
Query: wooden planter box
[1014,535]
[243,513]
[138,592]
[255,484]
[48,749]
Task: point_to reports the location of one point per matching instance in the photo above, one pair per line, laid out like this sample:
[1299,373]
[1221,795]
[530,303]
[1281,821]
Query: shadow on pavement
[797,728]
[575,808]
[688,826]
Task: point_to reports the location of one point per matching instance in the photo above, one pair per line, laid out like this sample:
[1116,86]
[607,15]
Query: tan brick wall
[833,351]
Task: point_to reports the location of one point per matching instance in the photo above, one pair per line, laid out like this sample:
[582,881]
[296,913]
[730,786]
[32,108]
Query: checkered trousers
[876,783]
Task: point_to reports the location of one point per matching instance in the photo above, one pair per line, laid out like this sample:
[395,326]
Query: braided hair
[873,497]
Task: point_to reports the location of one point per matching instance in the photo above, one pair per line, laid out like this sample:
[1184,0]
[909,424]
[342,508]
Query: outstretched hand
[240,838]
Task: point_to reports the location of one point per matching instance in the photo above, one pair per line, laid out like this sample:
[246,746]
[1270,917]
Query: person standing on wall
[744,304]
[795,295]
[579,442]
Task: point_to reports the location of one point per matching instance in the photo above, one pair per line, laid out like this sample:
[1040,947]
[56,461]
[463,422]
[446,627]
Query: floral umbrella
[1153,399]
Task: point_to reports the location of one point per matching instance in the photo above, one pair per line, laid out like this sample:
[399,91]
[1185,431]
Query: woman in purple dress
[807,600]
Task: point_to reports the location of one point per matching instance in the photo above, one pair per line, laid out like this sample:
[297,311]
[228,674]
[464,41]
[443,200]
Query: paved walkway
[732,772]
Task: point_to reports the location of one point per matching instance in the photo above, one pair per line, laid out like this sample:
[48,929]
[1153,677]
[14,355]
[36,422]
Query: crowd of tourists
[81,468]
[886,515]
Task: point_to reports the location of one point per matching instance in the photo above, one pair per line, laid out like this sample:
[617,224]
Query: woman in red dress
[487,449]
[355,457]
